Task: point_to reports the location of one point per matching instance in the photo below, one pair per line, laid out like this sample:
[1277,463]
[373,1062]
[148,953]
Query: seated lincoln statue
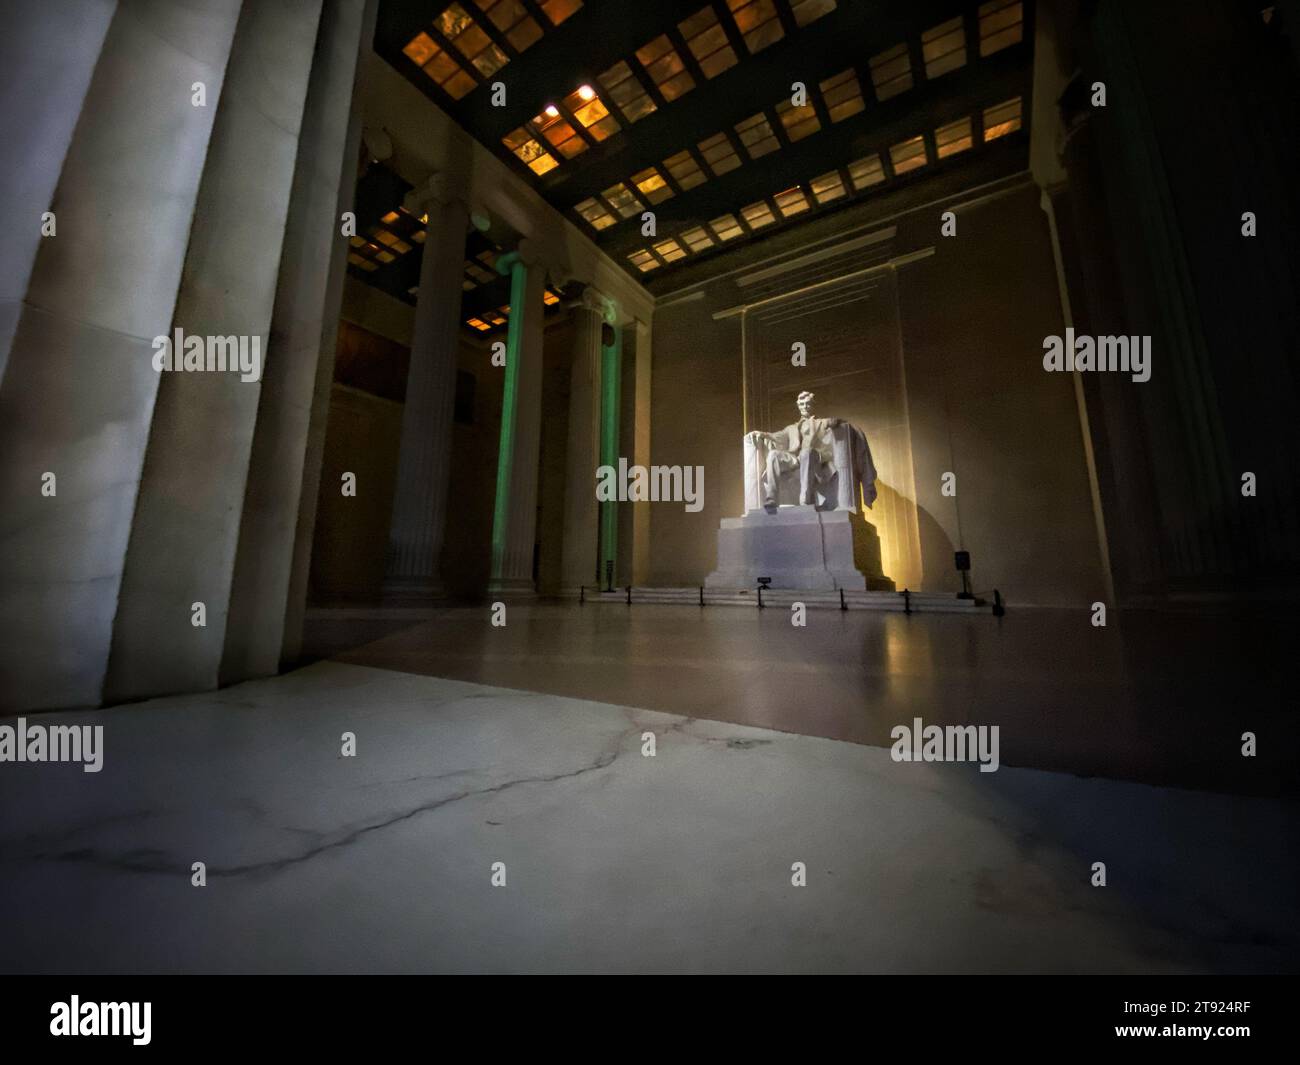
[803,526]
[803,454]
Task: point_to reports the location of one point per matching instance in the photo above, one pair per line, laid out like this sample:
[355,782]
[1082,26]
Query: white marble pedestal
[799,547]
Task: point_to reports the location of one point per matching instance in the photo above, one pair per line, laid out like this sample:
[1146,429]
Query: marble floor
[1157,698]
[613,861]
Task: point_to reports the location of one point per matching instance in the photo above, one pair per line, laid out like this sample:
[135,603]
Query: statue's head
[805,403]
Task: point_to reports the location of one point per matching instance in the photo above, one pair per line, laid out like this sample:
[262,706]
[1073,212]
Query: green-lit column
[514,521]
[611,372]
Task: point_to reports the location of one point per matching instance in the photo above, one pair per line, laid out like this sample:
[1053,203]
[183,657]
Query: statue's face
[805,404]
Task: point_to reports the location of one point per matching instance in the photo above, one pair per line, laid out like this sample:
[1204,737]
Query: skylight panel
[719,154]
[439,66]
[944,47]
[757,215]
[622,87]
[595,214]
[587,107]
[791,202]
[891,72]
[670,251]
[559,10]
[798,122]
[652,186]
[707,41]
[622,200]
[644,261]
[528,150]
[756,135]
[866,172]
[471,40]
[685,170]
[559,133]
[513,20]
[758,23]
[726,227]
[1001,25]
[806,11]
[1001,119]
[697,239]
[953,138]
[665,68]
[843,95]
[909,155]
[828,187]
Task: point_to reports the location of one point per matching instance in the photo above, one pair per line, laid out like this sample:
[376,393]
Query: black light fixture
[962,560]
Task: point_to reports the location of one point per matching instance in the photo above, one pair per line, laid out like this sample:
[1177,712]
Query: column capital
[527,252]
[438,190]
[592,299]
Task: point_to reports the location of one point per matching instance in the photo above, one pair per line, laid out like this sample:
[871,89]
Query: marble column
[581,514]
[611,385]
[274,549]
[1047,135]
[424,459]
[186,526]
[47,55]
[514,527]
[641,451]
[79,389]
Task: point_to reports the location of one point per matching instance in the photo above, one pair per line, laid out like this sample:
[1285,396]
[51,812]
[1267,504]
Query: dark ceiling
[613,107]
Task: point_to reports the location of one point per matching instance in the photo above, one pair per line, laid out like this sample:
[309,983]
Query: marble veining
[615,861]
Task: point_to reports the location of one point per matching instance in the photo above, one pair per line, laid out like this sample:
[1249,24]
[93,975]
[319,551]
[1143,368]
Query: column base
[512,588]
[413,591]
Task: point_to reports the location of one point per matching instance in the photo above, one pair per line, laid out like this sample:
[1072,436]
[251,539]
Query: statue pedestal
[799,547]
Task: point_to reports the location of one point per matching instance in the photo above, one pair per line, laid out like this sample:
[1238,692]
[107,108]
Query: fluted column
[79,389]
[47,56]
[581,513]
[424,461]
[186,525]
[273,556]
[514,527]
[641,452]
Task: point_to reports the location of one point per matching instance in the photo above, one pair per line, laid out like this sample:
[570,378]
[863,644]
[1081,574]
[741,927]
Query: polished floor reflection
[1157,698]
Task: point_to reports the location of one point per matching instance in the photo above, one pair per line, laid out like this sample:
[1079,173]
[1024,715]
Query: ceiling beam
[897,120]
[846,37]
[585,45]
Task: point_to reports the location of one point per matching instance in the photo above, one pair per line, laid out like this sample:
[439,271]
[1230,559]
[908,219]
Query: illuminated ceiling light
[586,92]
[552,111]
